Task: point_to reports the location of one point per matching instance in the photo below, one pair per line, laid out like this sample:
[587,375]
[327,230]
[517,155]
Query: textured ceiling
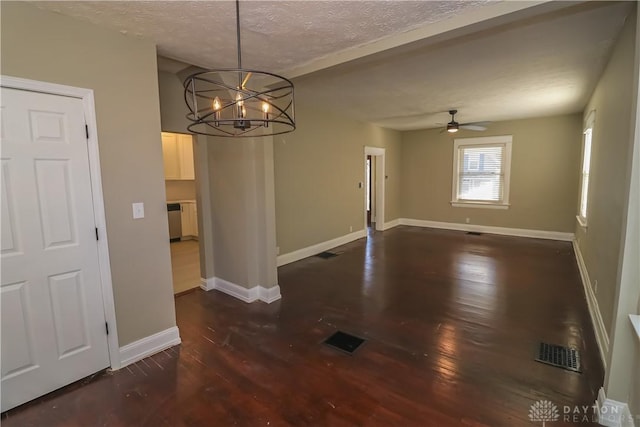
[400,64]
[276,35]
[535,67]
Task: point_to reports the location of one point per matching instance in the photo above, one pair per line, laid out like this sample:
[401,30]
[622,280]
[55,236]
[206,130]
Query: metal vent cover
[344,342]
[559,356]
[326,255]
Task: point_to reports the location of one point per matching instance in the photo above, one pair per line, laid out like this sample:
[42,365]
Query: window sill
[460,204]
[582,221]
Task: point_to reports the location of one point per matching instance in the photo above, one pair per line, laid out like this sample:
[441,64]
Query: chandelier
[239,102]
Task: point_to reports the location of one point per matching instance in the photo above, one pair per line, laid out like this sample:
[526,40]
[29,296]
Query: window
[481,169]
[586,165]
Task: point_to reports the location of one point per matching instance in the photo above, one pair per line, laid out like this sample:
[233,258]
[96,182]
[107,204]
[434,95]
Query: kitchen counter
[180,201]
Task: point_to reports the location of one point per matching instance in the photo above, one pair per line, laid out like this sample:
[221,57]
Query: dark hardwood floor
[451,322]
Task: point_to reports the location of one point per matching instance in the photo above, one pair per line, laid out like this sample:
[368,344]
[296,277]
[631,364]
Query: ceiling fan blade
[473,126]
[476,123]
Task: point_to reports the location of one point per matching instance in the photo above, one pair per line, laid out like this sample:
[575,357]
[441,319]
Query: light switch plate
[138,210]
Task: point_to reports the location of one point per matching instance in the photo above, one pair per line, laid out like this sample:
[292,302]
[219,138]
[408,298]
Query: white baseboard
[207,284]
[612,413]
[319,247]
[596,318]
[269,295]
[248,295]
[148,346]
[391,224]
[518,232]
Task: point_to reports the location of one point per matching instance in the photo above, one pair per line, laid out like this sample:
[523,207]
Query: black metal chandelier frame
[217,108]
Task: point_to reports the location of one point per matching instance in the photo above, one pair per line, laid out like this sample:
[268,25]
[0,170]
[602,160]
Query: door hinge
[97,238]
[86,129]
[106,326]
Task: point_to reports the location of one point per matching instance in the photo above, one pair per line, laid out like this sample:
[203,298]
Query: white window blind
[586,166]
[481,173]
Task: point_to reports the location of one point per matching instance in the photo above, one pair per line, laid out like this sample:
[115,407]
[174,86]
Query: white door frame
[86,95]
[379,154]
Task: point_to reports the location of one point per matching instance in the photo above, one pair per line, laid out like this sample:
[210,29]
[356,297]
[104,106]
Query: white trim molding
[207,284]
[612,413]
[391,224]
[517,232]
[86,95]
[319,247]
[602,337]
[459,204]
[149,346]
[248,295]
[379,185]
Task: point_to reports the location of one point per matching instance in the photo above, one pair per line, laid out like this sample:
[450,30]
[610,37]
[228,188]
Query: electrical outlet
[350,228]
[468,220]
[595,286]
[277,250]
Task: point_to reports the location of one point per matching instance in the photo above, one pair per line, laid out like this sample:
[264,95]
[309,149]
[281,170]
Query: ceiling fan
[454,126]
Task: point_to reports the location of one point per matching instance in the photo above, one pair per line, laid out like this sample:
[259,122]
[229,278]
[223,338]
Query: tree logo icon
[543,411]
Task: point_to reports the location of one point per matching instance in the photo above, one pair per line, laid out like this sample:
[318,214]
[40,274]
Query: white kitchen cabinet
[189,218]
[177,153]
[185,148]
[170,156]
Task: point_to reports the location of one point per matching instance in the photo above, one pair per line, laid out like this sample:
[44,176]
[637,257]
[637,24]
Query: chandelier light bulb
[240,110]
[265,113]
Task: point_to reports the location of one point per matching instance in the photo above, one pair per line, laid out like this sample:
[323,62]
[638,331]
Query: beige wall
[614,211]
[317,170]
[180,190]
[121,70]
[544,185]
[609,180]
[241,186]
[173,109]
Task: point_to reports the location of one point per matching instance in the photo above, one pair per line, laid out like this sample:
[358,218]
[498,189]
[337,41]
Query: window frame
[583,196]
[504,141]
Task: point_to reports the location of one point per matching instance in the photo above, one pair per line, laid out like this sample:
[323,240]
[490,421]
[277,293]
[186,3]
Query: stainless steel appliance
[175,222]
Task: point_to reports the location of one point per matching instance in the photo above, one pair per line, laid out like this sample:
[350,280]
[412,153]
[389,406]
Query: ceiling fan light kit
[219,107]
[453,126]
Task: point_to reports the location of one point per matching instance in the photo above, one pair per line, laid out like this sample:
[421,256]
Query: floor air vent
[326,255]
[344,342]
[474,233]
[559,356]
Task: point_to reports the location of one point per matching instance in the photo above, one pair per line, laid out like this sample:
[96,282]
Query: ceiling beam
[476,20]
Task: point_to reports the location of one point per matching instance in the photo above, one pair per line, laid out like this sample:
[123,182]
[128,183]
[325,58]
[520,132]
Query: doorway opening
[370,190]
[374,177]
[182,210]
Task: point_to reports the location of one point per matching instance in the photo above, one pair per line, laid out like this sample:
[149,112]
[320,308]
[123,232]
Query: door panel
[17,357]
[53,324]
[56,213]
[8,218]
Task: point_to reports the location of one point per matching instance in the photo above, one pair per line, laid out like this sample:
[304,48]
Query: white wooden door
[53,322]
